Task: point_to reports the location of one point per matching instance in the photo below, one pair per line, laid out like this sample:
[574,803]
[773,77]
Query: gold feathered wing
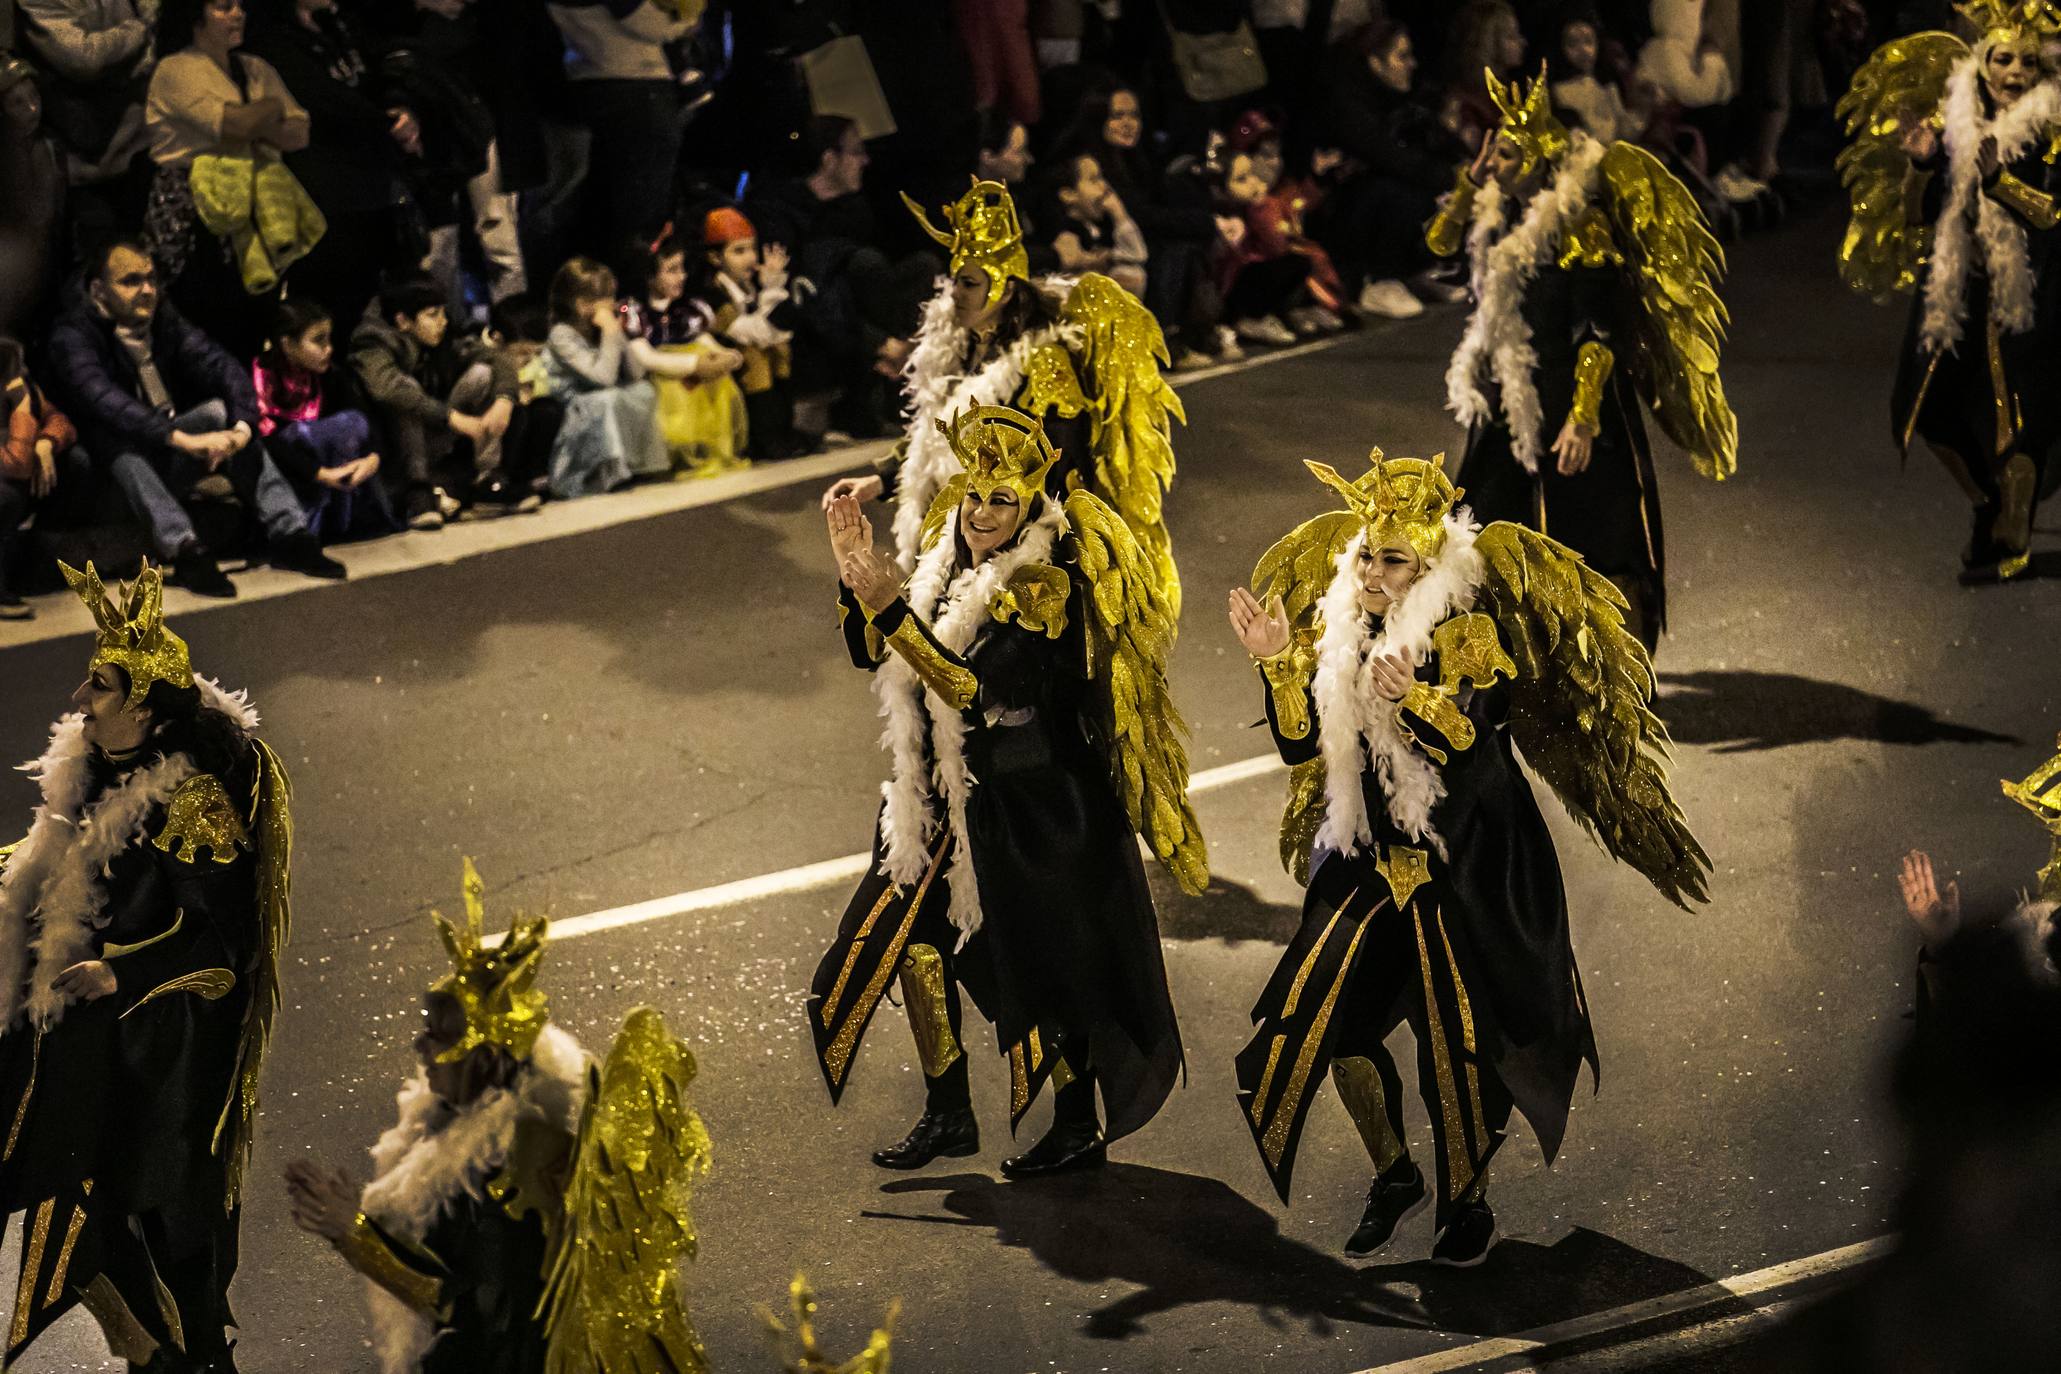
[273,832]
[1129,633]
[1131,409]
[799,1352]
[1901,84]
[1675,266]
[1581,705]
[611,1300]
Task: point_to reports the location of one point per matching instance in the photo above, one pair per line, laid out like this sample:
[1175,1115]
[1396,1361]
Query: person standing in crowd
[1387,635]
[208,99]
[1006,854]
[142,925]
[44,470]
[610,432]
[167,412]
[1487,39]
[32,218]
[1688,70]
[95,58]
[315,431]
[670,333]
[430,387]
[746,288]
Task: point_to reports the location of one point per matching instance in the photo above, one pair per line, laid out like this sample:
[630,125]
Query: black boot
[1074,1142]
[302,553]
[200,574]
[951,1133]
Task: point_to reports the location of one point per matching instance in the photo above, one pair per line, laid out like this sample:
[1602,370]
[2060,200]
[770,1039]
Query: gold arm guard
[2034,207]
[366,1251]
[953,682]
[1288,675]
[1447,232]
[1592,367]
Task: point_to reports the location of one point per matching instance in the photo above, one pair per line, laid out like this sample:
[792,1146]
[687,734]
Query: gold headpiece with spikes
[2040,793]
[1528,118]
[134,637]
[985,230]
[2035,19]
[1402,501]
[1000,448]
[492,984]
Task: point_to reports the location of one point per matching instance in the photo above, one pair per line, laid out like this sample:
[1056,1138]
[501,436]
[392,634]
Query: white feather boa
[938,390]
[955,606]
[432,1156]
[2032,925]
[1356,726]
[1498,340]
[53,889]
[1974,223]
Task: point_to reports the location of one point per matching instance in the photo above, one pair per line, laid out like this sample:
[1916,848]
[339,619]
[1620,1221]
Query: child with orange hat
[747,290]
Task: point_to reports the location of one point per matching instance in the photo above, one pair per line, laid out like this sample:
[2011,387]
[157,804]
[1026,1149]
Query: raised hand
[850,530]
[874,579]
[865,488]
[1393,676]
[323,1200]
[1937,915]
[1263,630]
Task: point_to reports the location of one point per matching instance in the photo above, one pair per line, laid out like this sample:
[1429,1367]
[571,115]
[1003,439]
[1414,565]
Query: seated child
[1261,277]
[701,414]
[319,440]
[1275,223]
[43,468]
[426,390]
[610,434]
[747,291]
[518,328]
[1090,229]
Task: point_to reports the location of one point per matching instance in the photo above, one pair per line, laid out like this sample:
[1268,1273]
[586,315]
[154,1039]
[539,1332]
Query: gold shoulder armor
[1588,242]
[1035,597]
[1470,650]
[202,816]
[1050,382]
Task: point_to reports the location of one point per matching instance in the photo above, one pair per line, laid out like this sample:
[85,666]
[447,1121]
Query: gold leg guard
[1359,1087]
[2016,485]
[923,990]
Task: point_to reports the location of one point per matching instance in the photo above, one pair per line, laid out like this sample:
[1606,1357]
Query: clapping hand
[1262,629]
[1936,915]
[1393,675]
[323,1199]
[1920,141]
[89,982]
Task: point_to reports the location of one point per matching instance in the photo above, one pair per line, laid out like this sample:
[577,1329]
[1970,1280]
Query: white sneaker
[1228,350]
[1266,330]
[1303,320]
[1428,287]
[1327,321]
[1390,299]
[1188,360]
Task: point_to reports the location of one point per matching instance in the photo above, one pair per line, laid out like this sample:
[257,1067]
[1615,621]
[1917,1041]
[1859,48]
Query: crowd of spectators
[277,273]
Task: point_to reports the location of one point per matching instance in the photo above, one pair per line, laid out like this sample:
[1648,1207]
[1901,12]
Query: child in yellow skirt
[747,292]
[701,412]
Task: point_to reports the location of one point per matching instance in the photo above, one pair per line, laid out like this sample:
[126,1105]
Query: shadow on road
[1185,1240]
[1225,911]
[1740,712]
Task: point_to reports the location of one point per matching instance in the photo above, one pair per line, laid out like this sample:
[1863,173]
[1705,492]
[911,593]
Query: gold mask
[133,638]
[492,985]
[2040,793]
[1403,502]
[1528,119]
[985,231]
[1000,449]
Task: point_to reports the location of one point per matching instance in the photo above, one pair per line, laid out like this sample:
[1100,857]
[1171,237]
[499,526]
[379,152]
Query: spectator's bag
[842,81]
[1216,66]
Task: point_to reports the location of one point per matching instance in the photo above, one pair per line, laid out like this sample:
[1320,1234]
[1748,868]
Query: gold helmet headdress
[2038,20]
[1403,502]
[1000,448]
[985,231]
[2040,793]
[1528,119]
[492,985]
[134,636]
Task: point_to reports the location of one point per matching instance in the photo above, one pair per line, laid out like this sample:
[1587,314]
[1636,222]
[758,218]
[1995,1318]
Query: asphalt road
[661,706]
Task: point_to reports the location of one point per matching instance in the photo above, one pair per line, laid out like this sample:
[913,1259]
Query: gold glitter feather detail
[798,1351]
[201,816]
[1675,265]
[208,984]
[1581,706]
[1130,631]
[273,817]
[1035,597]
[1902,84]
[611,1301]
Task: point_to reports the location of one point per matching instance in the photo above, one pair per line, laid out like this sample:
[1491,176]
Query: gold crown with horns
[985,231]
[2040,793]
[1000,448]
[2036,19]
[492,984]
[1401,501]
[1528,119]
[133,637]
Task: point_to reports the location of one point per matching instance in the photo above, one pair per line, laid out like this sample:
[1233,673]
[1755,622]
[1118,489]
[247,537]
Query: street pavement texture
[662,706]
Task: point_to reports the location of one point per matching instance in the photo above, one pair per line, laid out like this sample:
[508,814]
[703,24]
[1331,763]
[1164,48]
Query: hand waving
[1263,630]
[1936,915]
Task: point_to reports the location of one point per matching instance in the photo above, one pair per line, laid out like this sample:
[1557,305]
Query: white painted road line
[828,873]
[1770,1285]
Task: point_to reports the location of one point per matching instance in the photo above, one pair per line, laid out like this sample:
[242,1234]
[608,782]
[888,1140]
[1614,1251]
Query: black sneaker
[302,553]
[200,574]
[1394,1198]
[494,495]
[419,508]
[952,1133]
[13,607]
[1468,1235]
